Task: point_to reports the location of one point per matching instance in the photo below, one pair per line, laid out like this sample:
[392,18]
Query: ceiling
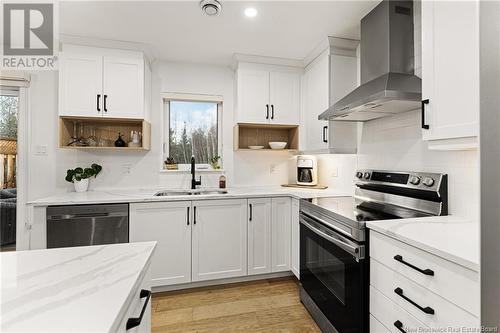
[180,31]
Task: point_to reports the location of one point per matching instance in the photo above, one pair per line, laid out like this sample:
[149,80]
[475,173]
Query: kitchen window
[192,128]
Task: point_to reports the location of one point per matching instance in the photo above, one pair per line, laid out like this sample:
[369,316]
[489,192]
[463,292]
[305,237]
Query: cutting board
[317,187]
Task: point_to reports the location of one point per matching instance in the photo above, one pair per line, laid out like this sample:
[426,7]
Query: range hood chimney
[388,84]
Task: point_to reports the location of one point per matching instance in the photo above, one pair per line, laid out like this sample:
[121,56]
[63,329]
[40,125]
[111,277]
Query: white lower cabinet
[295,238]
[259,236]
[219,239]
[416,289]
[281,233]
[169,224]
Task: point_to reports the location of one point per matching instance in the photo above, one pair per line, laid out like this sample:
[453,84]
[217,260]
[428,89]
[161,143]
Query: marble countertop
[449,237]
[85,289]
[147,195]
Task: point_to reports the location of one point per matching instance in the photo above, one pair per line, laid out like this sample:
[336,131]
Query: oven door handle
[353,250]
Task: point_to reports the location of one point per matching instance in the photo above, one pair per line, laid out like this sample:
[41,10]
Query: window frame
[200,98]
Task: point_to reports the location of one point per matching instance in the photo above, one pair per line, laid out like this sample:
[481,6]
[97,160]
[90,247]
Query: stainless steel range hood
[388,85]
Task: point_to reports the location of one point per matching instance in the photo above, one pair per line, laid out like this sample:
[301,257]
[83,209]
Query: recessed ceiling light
[251,12]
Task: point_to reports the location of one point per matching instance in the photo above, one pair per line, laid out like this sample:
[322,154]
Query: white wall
[142,169]
[394,143]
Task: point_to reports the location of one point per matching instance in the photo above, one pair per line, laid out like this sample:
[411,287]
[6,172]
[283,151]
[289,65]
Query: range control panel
[421,180]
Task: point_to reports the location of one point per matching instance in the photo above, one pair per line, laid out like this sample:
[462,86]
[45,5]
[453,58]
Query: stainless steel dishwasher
[84,225]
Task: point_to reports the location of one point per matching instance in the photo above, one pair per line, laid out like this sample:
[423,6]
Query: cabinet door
[80,85]
[253,96]
[281,234]
[169,224]
[295,238]
[317,96]
[285,98]
[219,239]
[123,87]
[450,69]
[259,236]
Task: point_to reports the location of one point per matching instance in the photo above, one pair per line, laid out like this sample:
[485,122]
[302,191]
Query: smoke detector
[211,7]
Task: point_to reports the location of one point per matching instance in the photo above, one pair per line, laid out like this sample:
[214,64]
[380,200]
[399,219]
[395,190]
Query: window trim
[165,99]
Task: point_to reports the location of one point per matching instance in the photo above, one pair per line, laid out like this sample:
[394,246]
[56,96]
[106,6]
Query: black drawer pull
[272,111]
[426,271]
[424,125]
[134,322]
[267,111]
[399,326]
[98,102]
[194,214]
[427,309]
[105,99]
[251,212]
[187,215]
[325,128]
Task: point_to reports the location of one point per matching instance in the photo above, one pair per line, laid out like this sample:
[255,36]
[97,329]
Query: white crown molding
[333,45]
[256,59]
[109,43]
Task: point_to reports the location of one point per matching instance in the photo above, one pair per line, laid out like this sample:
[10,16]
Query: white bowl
[256,147]
[277,145]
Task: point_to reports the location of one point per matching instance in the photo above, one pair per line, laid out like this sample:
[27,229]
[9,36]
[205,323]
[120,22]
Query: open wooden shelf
[106,129]
[261,134]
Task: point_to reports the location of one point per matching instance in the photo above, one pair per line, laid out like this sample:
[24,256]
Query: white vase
[82,185]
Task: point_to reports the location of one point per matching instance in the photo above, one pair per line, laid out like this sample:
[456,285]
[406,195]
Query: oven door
[334,273]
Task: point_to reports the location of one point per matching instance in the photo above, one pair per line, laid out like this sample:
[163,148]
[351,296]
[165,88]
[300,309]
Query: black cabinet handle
[424,125]
[399,326]
[187,216]
[267,111]
[272,111]
[194,215]
[98,102]
[134,322]
[427,309]
[251,212]
[426,271]
[105,98]
[325,128]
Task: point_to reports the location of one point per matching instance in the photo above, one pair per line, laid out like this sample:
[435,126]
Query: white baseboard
[221,281]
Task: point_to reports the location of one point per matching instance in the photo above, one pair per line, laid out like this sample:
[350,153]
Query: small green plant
[214,162]
[81,173]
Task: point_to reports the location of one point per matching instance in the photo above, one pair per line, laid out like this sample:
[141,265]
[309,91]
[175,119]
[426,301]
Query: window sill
[189,171]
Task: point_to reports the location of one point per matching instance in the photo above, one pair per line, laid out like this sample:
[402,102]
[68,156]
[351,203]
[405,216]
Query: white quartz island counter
[448,237]
[78,289]
[147,195]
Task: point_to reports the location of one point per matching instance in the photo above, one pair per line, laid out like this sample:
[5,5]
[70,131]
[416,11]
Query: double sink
[188,192]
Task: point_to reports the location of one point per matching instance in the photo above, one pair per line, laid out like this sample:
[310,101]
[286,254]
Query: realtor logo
[28,29]
[29,36]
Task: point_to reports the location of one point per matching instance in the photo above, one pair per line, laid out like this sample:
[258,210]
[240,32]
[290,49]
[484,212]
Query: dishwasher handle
[85,215]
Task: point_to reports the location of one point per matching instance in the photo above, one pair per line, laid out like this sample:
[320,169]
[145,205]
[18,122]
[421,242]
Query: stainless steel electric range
[334,259]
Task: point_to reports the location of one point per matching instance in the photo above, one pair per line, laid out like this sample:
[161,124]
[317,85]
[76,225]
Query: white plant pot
[82,185]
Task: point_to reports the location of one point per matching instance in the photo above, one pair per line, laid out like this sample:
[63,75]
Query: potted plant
[80,176]
[214,162]
[170,164]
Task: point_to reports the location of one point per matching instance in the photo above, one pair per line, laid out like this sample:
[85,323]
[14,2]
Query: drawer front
[447,277]
[429,308]
[376,326]
[389,314]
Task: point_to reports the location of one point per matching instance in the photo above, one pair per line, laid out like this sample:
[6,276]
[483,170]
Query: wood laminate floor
[259,306]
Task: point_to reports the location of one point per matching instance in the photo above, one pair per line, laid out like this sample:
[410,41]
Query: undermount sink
[188,192]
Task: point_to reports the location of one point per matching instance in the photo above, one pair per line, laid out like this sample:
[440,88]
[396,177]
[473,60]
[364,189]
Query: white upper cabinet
[219,239]
[450,73]
[329,76]
[259,236]
[285,98]
[281,234]
[253,96]
[169,224]
[95,82]
[123,82]
[80,82]
[267,96]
